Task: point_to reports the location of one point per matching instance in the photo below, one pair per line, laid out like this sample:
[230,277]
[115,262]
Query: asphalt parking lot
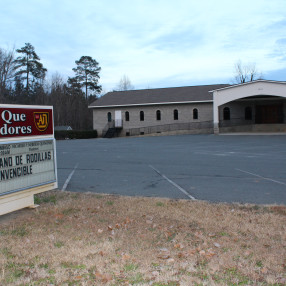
[245,169]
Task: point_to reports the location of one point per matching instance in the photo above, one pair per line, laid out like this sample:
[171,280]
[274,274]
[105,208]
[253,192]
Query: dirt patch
[90,239]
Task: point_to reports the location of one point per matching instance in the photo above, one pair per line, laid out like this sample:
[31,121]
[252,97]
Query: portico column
[215,113]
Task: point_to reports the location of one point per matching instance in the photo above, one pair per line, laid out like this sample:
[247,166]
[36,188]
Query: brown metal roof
[157,96]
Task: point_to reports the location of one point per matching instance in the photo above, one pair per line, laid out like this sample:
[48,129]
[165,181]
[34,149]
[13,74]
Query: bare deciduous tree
[7,68]
[124,84]
[246,73]
[70,105]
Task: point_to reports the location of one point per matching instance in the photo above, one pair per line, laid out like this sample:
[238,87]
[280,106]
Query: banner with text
[28,121]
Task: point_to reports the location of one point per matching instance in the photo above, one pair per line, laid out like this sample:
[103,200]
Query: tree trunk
[27,79]
[86,87]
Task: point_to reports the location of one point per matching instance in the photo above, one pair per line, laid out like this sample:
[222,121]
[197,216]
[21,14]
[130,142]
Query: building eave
[154,103]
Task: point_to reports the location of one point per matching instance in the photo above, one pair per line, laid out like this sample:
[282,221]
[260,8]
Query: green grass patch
[7,253]
[44,265]
[159,204]
[72,265]
[38,199]
[169,283]
[59,244]
[70,211]
[19,231]
[259,263]
[136,279]
[234,277]
[130,267]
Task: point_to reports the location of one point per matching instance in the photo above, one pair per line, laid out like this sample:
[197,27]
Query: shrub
[75,134]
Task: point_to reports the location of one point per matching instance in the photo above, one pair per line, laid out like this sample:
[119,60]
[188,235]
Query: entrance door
[269,114]
[118,118]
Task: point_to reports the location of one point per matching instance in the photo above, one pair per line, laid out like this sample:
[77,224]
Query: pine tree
[87,74]
[28,66]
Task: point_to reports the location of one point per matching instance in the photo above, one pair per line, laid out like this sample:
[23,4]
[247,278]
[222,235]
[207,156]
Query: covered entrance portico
[258,106]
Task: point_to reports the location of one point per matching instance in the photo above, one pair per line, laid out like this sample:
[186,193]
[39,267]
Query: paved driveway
[247,169]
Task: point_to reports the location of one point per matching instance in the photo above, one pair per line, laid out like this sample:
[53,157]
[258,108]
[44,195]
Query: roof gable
[249,89]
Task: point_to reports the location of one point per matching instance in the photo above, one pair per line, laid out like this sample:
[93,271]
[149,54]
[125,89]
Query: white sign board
[26,165]
[27,155]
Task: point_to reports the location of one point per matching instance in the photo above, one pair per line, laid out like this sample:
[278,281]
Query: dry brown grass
[89,239]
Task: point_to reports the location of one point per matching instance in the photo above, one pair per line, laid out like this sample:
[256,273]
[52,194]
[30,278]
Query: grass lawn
[91,239]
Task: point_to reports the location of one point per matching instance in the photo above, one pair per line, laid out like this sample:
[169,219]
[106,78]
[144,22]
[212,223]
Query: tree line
[23,81]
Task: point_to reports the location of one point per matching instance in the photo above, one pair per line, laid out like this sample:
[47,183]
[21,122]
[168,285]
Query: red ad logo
[41,120]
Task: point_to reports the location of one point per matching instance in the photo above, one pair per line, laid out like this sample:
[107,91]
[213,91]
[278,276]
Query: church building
[257,106]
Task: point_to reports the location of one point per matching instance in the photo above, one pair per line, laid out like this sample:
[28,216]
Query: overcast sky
[156,43]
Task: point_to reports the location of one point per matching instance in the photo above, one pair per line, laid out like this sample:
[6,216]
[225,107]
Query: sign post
[27,155]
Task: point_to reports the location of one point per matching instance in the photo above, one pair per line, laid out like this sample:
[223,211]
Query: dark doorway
[226,113]
[269,114]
